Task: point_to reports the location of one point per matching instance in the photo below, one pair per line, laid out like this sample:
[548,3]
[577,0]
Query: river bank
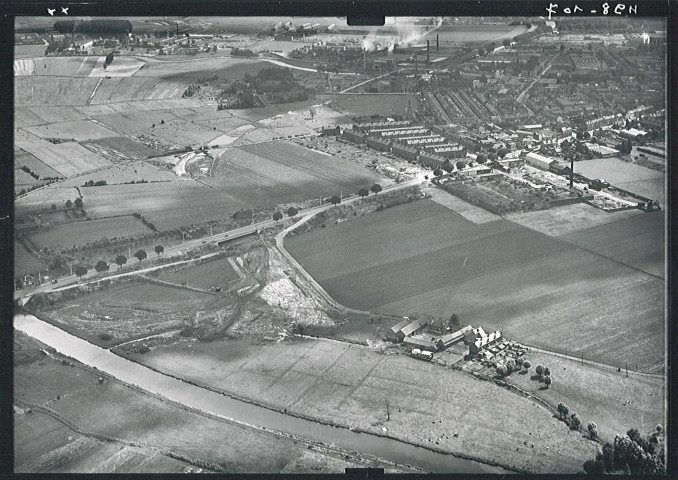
[384,395]
[67,421]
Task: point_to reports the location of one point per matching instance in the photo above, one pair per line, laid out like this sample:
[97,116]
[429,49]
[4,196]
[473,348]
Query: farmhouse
[484,342]
[451,338]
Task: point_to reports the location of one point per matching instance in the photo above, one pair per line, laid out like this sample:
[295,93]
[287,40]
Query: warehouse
[539,161]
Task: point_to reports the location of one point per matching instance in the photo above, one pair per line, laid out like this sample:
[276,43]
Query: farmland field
[629,176]
[621,240]
[68,158]
[214,273]
[79,130]
[348,384]
[55,114]
[536,289]
[82,232]
[43,90]
[44,197]
[118,149]
[568,218]
[294,172]
[125,414]
[24,261]
[387,105]
[22,158]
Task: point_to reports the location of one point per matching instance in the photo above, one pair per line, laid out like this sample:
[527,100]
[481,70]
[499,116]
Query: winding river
[227,407]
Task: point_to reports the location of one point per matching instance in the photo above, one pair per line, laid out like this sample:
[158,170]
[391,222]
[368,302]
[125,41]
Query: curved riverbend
[218,404]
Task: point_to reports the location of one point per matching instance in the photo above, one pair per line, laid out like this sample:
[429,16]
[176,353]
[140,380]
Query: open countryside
[291,245]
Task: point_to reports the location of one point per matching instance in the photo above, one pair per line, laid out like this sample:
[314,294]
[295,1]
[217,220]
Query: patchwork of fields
[68,158]
[417,258]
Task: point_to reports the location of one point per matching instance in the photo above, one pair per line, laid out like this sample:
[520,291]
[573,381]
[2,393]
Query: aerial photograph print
[296,245]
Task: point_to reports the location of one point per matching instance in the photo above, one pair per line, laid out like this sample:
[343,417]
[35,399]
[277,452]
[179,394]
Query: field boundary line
[593,363]
[558,239]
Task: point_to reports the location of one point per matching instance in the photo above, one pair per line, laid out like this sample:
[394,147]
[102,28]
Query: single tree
[527,364]
[454,319]
[501,371]
[277,216]
[594,467]
[502,152]
[593,429]
[54,207]
[78,202]
[547,371]
[575,421]
[159,249]
[140,255]
[563,410]
[437,172]
[519,362]
[69,204]
[79,270]
[460,165]
[363,192]
[540,369]
[291,212]
[448,167]
[481,158]
[335,200]
[547,380]
[101,266]
[492,157]
[121,260]
[376,188]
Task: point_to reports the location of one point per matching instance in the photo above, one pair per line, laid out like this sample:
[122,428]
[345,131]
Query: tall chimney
[437,42]
[428,45]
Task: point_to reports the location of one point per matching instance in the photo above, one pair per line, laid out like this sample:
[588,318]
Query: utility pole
[388,413]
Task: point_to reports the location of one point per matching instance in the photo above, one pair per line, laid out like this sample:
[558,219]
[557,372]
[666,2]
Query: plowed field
[422,258]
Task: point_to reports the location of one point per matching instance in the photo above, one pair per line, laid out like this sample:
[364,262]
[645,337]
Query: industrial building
[539,161]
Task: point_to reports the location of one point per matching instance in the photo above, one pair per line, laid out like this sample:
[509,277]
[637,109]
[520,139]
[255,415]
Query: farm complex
[291,245]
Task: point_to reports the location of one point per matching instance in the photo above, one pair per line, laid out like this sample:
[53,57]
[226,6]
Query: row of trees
[632,454]
[334,200]
[120,260]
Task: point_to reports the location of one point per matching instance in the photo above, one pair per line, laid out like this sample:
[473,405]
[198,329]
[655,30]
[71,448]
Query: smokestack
[428,47]
[437,42]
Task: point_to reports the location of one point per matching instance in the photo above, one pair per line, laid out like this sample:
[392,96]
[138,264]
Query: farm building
[539,161]
[379,145]
[411,328]
[392,334]
[560,168]
[407,153]
[451,338]
[425,343]
[484,342]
